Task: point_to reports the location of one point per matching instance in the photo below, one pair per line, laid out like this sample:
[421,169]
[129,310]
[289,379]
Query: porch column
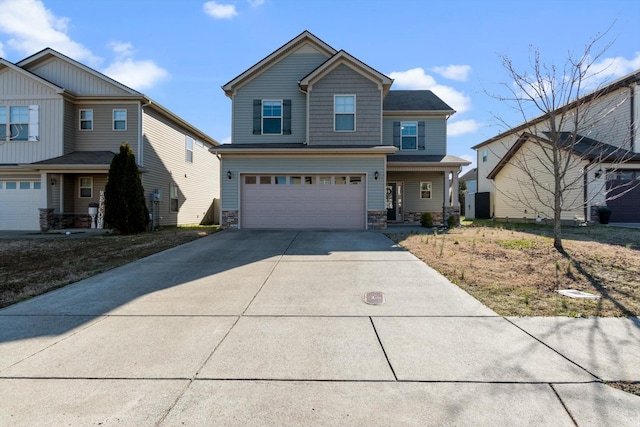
[454,190]
[446,201]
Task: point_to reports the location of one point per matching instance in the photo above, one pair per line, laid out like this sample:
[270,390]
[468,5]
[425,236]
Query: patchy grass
[514,269]
[32,266]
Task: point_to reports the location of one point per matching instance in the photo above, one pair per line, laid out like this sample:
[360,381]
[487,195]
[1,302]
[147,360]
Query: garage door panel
[303,205]
[19,202]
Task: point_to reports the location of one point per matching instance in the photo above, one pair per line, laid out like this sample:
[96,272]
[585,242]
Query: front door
[394,202]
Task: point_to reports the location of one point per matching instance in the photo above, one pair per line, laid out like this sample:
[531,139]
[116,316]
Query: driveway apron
[272,328]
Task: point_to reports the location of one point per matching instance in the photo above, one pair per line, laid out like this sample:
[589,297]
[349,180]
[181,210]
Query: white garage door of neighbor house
[303,201]
[19,203]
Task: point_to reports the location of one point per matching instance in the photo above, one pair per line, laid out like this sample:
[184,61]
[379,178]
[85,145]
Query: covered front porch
[414,187]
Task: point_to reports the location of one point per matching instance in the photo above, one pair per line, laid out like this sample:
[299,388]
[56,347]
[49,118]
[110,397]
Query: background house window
[189,149]
[86,187]
[409,132]
[86,119]
[119,119]
[345,112]
[425,190]
[173,198]
[484,155]
[14,123]
[272,117]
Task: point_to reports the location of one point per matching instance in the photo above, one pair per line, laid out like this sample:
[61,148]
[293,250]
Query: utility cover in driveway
[374,298]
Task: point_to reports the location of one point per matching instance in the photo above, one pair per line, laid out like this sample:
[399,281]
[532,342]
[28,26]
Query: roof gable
[72,75]
[305,42]
[6,66]
[343,58]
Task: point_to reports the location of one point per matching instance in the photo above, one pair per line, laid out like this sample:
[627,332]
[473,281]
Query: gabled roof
[471,175]
[587,148]
[445,159]
[29,75]
[48,53]
[630,78]
[85,158]
[299,40]
[414,101]
[342,57]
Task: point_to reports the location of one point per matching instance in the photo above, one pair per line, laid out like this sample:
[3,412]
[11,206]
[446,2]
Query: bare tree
[558,157]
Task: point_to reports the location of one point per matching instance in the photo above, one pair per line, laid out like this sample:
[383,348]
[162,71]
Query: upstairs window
[119,119]
[344,107]
[189,149]
[409,132]
[272,117]
[19,123]
[86,119]
[484,155]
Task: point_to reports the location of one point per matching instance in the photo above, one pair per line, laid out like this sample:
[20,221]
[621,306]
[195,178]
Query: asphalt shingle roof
[80,158]
[414,100]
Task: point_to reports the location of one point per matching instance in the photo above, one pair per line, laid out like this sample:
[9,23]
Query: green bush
[451,221]
[426,220]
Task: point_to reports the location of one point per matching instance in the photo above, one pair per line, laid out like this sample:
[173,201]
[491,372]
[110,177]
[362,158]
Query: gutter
[386,149]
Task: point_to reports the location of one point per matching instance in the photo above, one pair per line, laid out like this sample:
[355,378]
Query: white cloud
[613,68]
[454,72]
[256,3]
[417,79]
[462,127]
[32,27]
[226,140]
[219,11]
[136,74]
[1,50]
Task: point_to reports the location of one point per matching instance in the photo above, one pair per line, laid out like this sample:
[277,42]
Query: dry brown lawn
[32,266]
[514,269]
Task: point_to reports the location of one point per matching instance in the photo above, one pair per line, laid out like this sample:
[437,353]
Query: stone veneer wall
[414,217]
[377,220]
[61,221]
[229,219]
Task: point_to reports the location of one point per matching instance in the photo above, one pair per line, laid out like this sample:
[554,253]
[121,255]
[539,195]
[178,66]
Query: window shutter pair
[286,117]
[421,137]
[396,134]
[33,123]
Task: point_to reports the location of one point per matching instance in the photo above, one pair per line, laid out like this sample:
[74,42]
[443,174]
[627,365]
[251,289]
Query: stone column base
[377,220]
[229,219]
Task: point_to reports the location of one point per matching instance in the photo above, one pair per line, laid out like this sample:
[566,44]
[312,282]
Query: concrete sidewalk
[270,328]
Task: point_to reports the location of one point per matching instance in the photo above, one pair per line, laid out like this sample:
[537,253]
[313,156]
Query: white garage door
[19,203]
[299,201]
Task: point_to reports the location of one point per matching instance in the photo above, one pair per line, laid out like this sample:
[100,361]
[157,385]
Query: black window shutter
[286,117]
[421,137]
[257,116]
[396,134]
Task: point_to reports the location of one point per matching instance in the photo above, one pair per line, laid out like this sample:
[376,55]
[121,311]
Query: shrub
[125,208]
[451,221]
[426,220]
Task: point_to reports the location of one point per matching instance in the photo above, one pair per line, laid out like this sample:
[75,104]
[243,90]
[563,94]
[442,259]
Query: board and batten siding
[74,78]
[513,185]
[435,133]
[103,137]
[165,160]
[278,82]
[411,190]
[70,126]
[343,80]
[298,165]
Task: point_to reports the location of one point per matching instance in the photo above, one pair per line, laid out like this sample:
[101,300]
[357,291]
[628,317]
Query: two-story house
[600,158]
[61,123]
[319,140]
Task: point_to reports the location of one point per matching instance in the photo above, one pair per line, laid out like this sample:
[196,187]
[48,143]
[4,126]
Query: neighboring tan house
[61,123]
[604,161]
[320,141]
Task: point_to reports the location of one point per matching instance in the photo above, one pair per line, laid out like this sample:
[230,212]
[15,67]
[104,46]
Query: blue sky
[179,52]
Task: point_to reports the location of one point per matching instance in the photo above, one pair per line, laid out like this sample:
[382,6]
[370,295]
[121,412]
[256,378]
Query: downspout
[632,127]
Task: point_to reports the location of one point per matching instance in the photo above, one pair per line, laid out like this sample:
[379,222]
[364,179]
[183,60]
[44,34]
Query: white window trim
[336,113]
[188,150]
[80,187]
[430,190]
[113,119]
[485,156]
[171,186]
[80,120]
[271,117]
[401,125]
[33,127]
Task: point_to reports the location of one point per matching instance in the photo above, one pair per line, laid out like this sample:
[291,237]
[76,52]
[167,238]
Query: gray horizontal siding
[103,137]
[278,82]
[344,81]
[411,181]
[302,165]
[435,129]
[75,79]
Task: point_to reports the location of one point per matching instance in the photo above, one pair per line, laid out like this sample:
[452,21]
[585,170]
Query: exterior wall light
[229,176]
[376,175]
[599,173]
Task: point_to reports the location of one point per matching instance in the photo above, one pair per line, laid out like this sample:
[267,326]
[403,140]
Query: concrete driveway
[270,328]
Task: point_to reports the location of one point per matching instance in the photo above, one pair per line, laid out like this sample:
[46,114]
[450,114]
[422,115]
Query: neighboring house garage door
[303,201]
[625,208]
[19,203]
